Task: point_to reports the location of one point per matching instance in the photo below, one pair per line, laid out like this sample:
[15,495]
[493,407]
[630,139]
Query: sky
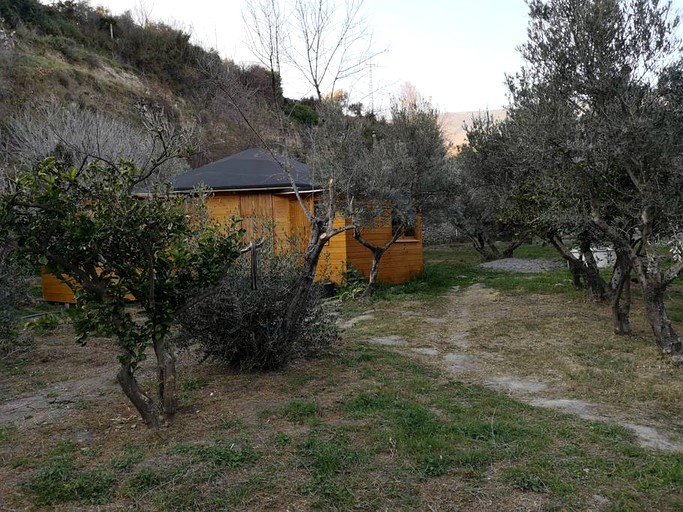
[455,52]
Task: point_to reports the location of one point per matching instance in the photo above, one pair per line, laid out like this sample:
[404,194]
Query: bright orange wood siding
[401,262]
[257,210]
[55,290]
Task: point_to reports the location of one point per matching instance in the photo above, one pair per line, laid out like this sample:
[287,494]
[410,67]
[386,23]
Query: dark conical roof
[251,169]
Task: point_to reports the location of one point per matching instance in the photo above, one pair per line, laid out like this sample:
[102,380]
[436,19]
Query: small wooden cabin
[252,186]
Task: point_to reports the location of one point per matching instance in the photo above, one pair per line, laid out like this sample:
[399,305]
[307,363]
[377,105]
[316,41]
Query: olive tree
[403,173]
[482,178]
[600,81]
[113,248]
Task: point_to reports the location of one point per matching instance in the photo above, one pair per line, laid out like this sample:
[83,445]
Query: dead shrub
[243,326]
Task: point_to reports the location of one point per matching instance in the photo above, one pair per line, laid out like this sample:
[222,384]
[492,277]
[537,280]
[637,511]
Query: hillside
[453,123]
[72,56]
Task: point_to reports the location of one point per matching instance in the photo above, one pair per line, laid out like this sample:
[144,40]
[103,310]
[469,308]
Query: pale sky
[455,52]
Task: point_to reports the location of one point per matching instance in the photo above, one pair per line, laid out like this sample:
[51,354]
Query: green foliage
[157,249]
[43,324]
[117,247]
[13,291]
[44,18]
[300,112]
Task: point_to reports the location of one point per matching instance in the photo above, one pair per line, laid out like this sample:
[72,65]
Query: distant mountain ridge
[452,124]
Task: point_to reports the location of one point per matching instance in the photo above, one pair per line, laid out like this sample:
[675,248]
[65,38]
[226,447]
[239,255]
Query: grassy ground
[361,428]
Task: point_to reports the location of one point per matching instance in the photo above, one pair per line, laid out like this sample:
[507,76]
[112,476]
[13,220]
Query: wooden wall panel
[54,290]
[282,224]
[332,265]
[401,262]
[256,211]
[299,227]
[223,206]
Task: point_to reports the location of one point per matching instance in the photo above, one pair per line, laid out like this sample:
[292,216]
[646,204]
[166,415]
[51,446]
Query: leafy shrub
[245,328]
[13,290]
[43,324]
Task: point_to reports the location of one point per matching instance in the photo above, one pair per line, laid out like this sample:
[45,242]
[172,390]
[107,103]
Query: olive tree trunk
[585,272]
[509,251]
[377,253]
[621,297]
[301,290]
[667,338]
[484,246]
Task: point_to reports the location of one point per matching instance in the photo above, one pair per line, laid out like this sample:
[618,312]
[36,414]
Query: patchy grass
[59,480]
[449,267]
[384,435]
[364,427]
[300,411]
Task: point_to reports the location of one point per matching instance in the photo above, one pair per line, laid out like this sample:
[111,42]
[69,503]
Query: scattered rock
[513,384]
[353,321]
[427,351]
[390,341]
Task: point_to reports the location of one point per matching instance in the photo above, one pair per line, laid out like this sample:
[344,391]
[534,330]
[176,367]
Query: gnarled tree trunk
[621,300]
[585,273]
[509,251]
[598,288]
[302,287]
[377,253]
[667,338]
[144,405]
[166,379]
[484,246]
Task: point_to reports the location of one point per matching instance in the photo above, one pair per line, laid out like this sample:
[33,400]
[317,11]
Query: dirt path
[518,345]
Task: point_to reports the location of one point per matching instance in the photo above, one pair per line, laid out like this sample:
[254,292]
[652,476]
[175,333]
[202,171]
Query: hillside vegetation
[71,54]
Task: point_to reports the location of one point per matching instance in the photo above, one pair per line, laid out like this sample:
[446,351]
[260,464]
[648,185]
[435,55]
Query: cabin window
[408,231]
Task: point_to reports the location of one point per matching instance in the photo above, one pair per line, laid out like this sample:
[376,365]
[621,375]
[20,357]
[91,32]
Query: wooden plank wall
[258,212]
[332,264]
[401,262]
[55,290]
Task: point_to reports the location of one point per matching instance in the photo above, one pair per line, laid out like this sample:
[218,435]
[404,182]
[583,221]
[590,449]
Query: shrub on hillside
[244,328]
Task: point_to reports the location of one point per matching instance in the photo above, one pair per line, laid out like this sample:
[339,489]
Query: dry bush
[244,327]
